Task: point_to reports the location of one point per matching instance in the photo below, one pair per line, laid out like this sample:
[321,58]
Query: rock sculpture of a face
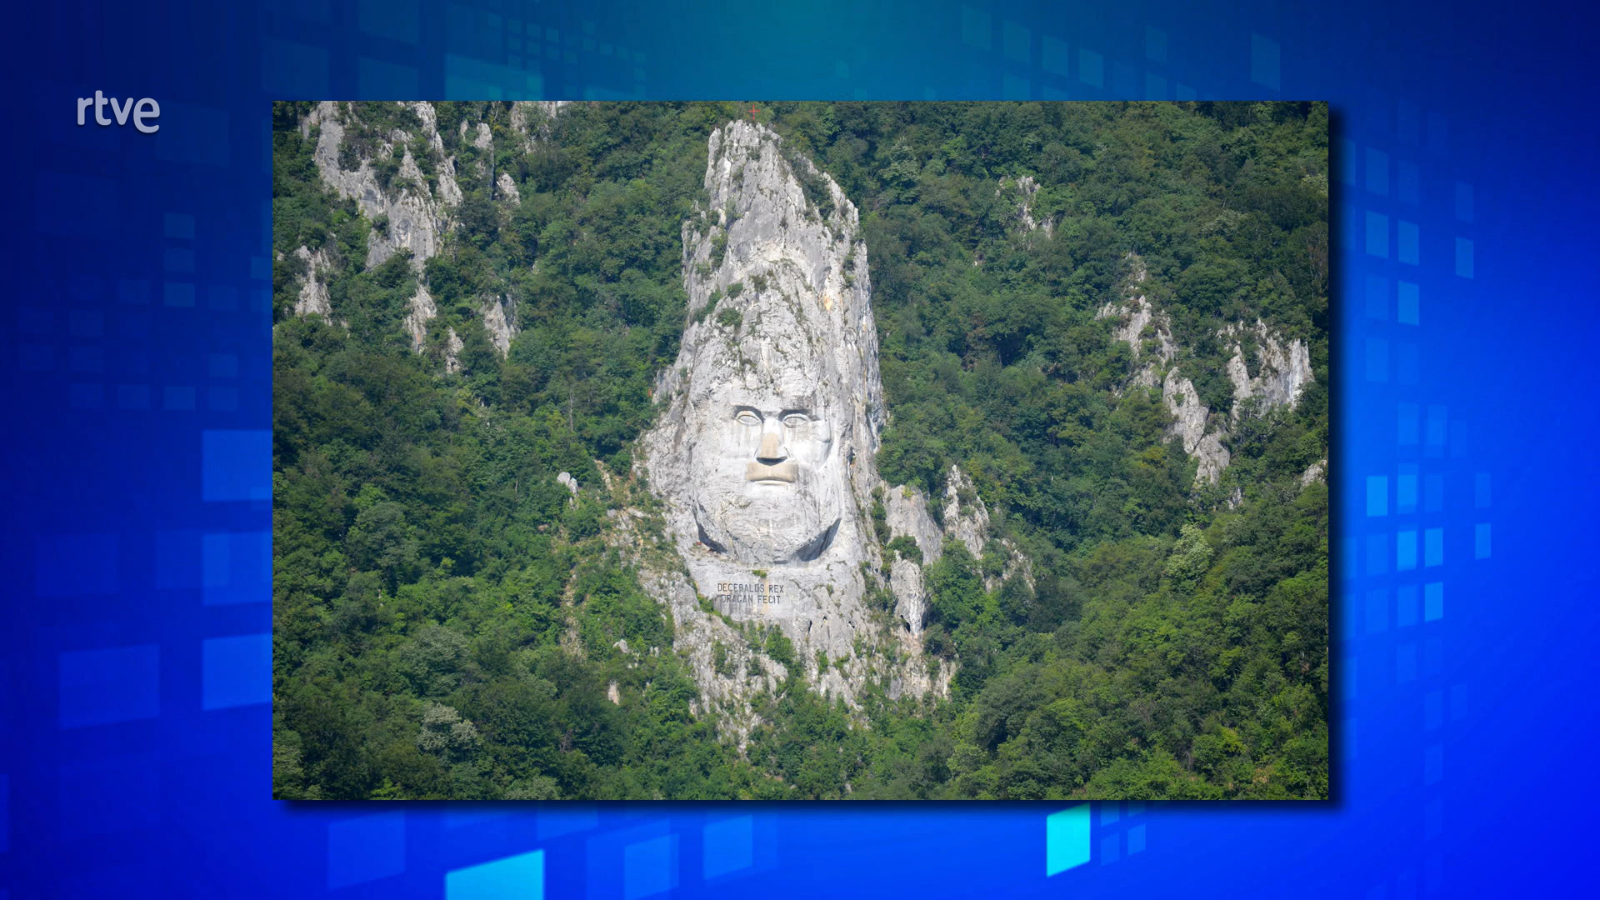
[765,482]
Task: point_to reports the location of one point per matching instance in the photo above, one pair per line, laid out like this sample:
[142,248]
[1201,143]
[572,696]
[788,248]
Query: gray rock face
[1284,372]
[415,215]
[763,456]
[1285,369]
[419,312]
[506,189]
[498,324]
[967,522]
[313,299]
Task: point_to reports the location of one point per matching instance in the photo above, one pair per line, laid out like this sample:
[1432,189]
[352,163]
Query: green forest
[445,620]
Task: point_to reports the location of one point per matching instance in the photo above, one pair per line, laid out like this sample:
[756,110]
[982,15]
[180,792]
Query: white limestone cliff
[763,454]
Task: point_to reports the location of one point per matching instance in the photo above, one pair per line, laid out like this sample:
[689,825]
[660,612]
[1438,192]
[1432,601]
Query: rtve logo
[143,109]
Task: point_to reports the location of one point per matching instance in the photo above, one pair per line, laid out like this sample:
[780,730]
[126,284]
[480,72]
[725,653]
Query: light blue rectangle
[1110,811]
[1480,541]
[1405,551]
[729,846]
[1377,495]
[235,671]
[1433,547]
[1433,601]
[1464,260]
[518,877]
[1067,836]
[1136,839]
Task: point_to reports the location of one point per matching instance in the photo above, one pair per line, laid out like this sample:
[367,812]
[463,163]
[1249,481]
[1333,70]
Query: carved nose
[771,450]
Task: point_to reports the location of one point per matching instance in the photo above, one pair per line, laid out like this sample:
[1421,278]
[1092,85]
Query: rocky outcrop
[415,214]
[1283,371]
[506,189]
[313,299]
[1026,187]
[419,312]
[763,453]
[965,520]
[500,325]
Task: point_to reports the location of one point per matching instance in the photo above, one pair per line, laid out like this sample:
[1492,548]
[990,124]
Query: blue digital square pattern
[728,846]
[236,671]
[1067,839]
[366,849]
[518,877]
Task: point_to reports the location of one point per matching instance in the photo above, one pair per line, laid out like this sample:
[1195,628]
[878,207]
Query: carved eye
[746,417]
[795,420]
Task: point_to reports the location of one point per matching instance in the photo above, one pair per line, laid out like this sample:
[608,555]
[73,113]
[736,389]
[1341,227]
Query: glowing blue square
[1378,235]
[647,867]
[100,687]
[1067,839]
[236,671]
[1433,601]
[729,846]
[1377,495]
[1405,551]
[1135,839]
[1480,541]
[1110,812]
[1433,547]
[366,849]
[236,465]
[515,878]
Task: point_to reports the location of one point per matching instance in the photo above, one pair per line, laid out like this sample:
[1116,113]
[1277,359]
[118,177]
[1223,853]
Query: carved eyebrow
[794,412]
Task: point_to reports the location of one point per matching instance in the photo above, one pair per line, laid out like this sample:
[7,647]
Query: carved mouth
[782,473]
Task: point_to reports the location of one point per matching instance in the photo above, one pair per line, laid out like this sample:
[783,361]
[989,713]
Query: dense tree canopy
[448,621]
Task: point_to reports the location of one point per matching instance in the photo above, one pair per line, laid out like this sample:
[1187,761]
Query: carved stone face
[765,482]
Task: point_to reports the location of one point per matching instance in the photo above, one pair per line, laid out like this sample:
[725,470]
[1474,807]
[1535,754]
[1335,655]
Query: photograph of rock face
[800,450]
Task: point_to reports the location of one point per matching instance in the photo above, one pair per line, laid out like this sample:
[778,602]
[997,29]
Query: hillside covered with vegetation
[447,624]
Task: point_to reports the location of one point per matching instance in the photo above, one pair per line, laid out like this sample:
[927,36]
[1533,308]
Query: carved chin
[764,540]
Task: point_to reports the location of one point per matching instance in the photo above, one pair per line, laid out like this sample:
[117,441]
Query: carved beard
[763,525]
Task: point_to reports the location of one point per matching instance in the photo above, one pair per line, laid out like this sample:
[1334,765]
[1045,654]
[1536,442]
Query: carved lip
[782,473]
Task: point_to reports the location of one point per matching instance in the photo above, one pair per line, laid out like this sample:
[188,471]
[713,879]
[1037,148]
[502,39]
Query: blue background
[134,365]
